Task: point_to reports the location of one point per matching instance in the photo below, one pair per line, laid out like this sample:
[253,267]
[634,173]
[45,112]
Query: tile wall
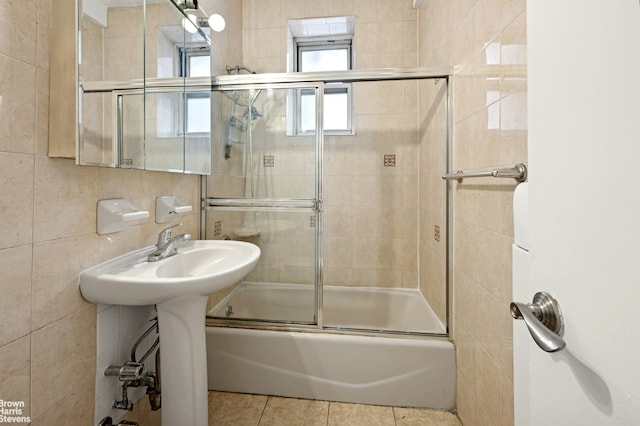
[48,234]
[371,205]
[385,30]
[486,42]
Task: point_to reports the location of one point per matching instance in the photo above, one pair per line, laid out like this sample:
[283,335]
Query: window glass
[324,60]
[307,112]
[200,66]
[336,113]
[336,110]
[198,113]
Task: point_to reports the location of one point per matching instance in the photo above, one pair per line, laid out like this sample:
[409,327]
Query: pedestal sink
[179,286]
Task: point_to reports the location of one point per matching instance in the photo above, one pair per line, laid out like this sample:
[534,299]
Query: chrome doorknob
[543,319]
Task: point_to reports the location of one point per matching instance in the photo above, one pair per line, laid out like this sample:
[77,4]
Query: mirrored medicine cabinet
[130,85]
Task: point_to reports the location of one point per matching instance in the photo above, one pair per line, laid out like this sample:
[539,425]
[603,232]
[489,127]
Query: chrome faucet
[166,245]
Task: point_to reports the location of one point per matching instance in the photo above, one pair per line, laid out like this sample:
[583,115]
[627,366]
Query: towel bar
[517,172]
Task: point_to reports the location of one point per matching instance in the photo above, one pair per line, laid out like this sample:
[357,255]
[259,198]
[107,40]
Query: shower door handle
[543,319]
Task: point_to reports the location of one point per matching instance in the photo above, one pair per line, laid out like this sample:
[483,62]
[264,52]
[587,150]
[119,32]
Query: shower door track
[352,76]
[204,83]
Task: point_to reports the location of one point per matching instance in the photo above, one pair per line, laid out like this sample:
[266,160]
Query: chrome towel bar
[517,172]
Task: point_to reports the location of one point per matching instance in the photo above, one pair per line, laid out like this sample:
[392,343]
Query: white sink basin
[200,267]
[179,287]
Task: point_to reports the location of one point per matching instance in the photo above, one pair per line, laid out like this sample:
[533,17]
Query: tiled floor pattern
[252,410]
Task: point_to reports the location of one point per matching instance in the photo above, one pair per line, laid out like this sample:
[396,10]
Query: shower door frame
[353,76]
[255,204]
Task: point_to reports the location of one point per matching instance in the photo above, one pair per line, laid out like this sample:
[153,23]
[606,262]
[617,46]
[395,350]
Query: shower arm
[239,68]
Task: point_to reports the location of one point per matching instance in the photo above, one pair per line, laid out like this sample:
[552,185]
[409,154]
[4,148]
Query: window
[325,54]
[329,55]
[196,62]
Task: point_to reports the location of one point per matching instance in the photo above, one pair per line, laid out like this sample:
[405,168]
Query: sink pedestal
[179,287]
[183,361]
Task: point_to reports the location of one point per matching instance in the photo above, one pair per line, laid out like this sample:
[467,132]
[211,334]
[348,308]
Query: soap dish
[118,214]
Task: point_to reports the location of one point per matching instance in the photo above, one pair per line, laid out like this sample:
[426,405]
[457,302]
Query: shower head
[254,113]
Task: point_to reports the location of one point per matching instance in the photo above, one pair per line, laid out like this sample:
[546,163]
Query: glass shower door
[265,188]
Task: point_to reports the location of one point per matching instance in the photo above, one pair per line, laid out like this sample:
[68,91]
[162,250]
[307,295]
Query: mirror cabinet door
[137,106]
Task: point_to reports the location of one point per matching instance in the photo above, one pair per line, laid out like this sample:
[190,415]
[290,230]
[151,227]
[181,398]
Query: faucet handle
[165,235]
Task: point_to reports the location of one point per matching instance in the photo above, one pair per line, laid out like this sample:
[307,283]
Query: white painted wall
[584,157]
[118,328]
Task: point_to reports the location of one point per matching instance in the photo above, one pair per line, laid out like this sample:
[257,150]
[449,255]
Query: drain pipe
[133,374]
[155,391]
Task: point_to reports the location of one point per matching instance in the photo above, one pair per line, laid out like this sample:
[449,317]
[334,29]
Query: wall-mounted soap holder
[169,208]
[118,214]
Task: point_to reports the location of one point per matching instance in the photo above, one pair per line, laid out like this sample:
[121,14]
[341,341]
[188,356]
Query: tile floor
[252,410]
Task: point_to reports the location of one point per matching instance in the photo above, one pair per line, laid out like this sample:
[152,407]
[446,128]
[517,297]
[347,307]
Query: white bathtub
[395,371]
[372,308]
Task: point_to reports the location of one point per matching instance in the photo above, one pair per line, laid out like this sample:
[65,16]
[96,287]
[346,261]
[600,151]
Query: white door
[584,194]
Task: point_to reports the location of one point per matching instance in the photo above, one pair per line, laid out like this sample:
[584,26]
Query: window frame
[184,53]
[303,44]
[309,44]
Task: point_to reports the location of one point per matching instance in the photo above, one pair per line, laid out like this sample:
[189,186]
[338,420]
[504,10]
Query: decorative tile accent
[217,228]
[269,161]
[390,160]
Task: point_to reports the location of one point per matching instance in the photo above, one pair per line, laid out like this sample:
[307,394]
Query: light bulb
[216,22]
[190,24]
